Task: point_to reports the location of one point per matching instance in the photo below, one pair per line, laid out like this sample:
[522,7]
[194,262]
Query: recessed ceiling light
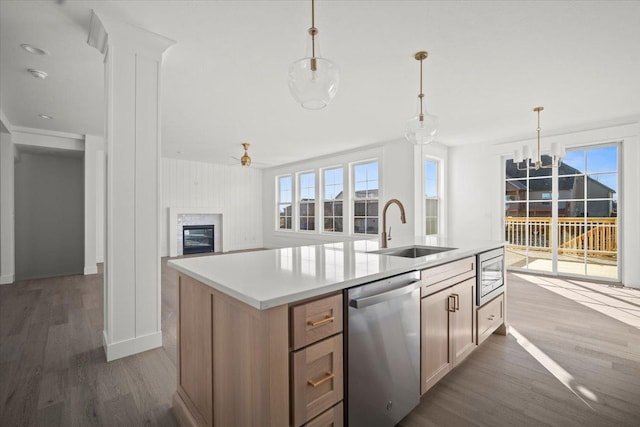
[44,116]
[35,50]
[38,73]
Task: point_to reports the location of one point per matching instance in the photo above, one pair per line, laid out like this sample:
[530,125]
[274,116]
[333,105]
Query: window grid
[365,198]
[307,198]
[285,207]
[431,196]
[579,234]
[332,200]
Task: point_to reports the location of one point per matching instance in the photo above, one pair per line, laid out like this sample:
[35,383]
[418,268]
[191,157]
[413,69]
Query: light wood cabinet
[233,367]
[316,320]
[243,367]
[333,417]
[448,333]
[442,276]
[317,380]
[490,317]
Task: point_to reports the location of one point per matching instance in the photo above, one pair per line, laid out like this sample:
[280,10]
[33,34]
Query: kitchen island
[260,333]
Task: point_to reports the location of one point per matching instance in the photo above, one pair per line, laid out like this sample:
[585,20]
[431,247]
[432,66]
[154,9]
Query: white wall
[93,191]
[100,204]
[476,200]
[7,249]
[234,189]
[49,215]
[400,178]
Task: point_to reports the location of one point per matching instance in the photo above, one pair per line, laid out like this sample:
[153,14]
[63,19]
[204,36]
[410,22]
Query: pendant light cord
[539,129]
[421,95]
[313,31]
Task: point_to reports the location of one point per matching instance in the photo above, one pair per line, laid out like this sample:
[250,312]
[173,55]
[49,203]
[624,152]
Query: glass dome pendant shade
[313,81]
[423,128]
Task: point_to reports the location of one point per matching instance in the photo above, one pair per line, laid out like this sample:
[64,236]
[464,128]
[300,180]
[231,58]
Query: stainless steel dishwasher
[383,350]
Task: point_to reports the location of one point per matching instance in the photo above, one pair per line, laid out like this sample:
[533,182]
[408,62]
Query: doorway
[565,220]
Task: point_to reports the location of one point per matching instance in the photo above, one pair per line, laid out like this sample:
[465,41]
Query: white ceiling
[224,82]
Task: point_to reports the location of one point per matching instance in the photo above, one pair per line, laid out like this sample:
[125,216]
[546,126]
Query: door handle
[456,301]
[452,307]
[384,296]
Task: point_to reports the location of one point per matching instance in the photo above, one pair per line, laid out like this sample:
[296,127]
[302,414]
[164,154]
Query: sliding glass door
[565,220]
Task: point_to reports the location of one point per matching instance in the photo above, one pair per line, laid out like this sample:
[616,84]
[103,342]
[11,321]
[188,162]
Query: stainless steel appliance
[490,275]
[383,350]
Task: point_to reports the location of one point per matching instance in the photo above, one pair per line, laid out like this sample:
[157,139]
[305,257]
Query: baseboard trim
[7,279]
[183,414]
[124,348]
[91,269]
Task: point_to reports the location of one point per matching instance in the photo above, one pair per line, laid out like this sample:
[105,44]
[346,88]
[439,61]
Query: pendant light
[313,80]
[535,163]
[423,128]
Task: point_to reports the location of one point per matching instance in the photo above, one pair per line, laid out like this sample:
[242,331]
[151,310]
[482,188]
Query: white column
[92,145]
[132,259]
[7,244]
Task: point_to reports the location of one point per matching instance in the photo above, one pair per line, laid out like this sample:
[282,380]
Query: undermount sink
[413,251]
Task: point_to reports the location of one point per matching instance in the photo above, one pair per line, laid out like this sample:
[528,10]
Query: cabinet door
[463,340]
[435,351]
[317,379]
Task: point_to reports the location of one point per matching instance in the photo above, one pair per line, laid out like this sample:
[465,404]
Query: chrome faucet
[403,219]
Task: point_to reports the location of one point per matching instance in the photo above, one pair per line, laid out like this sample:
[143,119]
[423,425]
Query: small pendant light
[313,80]
[423,128]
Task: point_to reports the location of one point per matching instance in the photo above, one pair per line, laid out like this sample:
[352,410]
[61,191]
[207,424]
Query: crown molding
[105,31]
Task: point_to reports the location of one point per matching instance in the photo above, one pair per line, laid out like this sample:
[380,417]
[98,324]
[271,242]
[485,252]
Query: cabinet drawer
[490,316]
[316,320]
[317,379]
[333,417]
[440,277]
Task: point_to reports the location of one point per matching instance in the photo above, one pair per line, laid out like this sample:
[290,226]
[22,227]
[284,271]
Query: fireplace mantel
[173,224]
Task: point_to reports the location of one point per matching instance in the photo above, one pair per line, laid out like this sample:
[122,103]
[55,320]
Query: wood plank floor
[53,371]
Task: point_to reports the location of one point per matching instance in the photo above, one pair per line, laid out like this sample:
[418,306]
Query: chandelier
[423,128]
[313,80]
[531,163]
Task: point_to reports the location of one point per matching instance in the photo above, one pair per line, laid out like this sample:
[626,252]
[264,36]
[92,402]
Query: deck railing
[598,236]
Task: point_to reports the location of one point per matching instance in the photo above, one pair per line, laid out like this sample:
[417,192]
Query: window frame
[323,200]
[298,201]
[279,202]
[439,194]
[557,198]
[353,198]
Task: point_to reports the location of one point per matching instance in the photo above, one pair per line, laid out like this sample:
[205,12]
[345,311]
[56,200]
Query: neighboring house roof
[565,183]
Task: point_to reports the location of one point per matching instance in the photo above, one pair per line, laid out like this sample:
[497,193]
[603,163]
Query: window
[285,207]
[565,220]
[431,199]
[307,193]
[365,198]
[333,196]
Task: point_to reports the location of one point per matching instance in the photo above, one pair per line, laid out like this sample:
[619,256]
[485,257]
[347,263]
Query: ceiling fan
[245,160]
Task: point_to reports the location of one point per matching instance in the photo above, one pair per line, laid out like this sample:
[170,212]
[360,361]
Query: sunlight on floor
[556,370]
[622,304]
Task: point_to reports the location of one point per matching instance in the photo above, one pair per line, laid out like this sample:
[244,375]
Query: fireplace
[197,239]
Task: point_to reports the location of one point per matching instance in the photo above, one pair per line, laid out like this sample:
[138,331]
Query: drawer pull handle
[451,307]
[326,320]
[329,376]
[493,316]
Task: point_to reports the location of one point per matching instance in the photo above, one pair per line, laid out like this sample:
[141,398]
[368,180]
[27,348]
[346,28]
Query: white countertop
[269,278]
